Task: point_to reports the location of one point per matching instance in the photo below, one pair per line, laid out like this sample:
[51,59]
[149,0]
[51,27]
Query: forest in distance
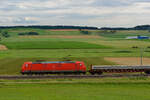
[139,27]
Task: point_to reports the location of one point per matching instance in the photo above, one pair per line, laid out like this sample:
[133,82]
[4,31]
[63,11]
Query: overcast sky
[101,13]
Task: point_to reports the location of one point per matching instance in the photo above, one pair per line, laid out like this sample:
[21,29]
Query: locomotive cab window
[26,65]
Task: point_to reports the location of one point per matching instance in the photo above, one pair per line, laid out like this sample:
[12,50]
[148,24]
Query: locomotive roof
[48,62]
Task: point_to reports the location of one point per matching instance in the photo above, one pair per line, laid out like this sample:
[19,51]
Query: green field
[124,34]
[117,34]
[52,45]
[87,89]
[14,65]
[15,31]
[89,49]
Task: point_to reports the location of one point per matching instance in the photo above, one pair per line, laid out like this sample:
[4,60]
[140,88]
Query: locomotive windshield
[26,65]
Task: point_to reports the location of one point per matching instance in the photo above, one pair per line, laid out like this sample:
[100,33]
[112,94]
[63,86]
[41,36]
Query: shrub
[33,33]
[5,34]
[85,32]
[21,33]
[134,47]
[28,33]
[148,46]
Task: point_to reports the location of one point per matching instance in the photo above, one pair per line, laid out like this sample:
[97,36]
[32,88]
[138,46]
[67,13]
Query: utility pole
[142,52]
[141,57]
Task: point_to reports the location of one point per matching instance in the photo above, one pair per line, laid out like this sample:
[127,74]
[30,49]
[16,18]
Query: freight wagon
[57,67]
[94,69]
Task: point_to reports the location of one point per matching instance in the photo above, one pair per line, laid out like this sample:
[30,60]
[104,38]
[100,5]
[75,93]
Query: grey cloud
[111,3]
[8,8]
[68,11]
[22,20]
[87,17]
[139,0]
[9,5]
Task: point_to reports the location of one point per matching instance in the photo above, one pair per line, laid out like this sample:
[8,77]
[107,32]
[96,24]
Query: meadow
[91,48]
[76,89]
[52,45]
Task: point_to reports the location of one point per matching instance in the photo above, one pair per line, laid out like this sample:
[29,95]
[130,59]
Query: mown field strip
[77,91]
[52,45]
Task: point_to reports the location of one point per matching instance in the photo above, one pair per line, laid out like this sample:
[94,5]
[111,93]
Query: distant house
[138,37]
[132,37]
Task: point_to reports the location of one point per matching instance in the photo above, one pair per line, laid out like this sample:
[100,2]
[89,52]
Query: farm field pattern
[59,45]
[55,45]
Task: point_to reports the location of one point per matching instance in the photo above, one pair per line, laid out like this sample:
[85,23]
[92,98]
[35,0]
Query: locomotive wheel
[22,73]
[93,73]
[100,73]
[76,73]
[29,74]
[147,72]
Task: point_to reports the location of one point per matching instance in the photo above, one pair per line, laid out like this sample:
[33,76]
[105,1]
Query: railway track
[72,76]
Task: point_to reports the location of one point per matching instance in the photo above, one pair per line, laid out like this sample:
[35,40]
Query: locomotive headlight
[80,64]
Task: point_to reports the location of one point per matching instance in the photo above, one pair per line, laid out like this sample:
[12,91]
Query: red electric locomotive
[66,67]
[77,67]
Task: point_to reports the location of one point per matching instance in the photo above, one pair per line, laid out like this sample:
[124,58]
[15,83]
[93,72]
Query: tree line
[51,27]
[140,27]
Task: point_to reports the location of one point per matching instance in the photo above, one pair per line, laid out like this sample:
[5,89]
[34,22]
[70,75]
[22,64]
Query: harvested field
[64,30]
[2,47]
[63,36]
[70,30]
[129,60]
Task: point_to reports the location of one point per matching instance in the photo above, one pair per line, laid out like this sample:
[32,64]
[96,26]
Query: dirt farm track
[128,60]
[2,47]
[64,37]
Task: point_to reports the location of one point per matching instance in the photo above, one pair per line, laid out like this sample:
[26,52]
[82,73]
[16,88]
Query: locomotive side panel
[66,67]
[37,67]
[53,67]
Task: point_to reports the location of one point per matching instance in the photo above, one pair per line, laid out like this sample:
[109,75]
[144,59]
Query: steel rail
[71,76]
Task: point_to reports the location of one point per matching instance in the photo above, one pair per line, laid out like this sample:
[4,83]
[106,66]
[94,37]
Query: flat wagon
[95,69]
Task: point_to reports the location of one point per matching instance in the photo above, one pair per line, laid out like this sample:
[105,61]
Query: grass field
[64,45]
[15,31]
[52,45]
[95,89]
[124,34]
[118,34]
[68,45]
[128,60]
[12,66]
